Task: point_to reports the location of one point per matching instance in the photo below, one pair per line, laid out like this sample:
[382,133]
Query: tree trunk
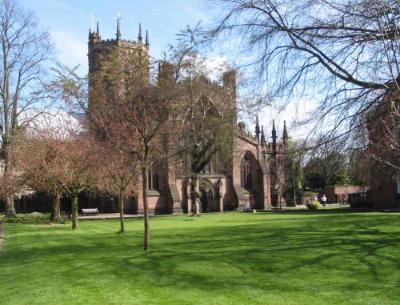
[56,208]
[146,208]
[121,211]
[193,194]
[10,207]
[74,209]
[9,203]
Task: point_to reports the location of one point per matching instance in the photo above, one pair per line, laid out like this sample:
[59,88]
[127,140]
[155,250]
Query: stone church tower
[255,175]
[98,47]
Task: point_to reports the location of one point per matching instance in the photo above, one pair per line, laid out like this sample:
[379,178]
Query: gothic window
[212,166]
[207,169]
[245,173]
[152,180]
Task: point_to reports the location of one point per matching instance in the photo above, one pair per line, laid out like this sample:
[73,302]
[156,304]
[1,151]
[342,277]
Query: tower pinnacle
[263,141]
[257,130]
[118,28]
[285,135]
[147,44]
[273,130]
[273,137]
[140,37]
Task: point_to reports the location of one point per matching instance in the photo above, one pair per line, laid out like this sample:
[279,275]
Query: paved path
[116,215]
[304,207]
[109,216]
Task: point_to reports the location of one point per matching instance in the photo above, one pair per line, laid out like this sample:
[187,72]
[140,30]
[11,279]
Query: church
[258,175]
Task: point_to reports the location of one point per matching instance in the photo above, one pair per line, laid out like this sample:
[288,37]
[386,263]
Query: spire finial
[257,130]
[98,29]
[273,137]
[118,26]
[262,135]
[140,38]
[285,135]
[147,39]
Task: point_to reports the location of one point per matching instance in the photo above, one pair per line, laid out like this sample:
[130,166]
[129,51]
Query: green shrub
[314,205]
[308,197]
[34,217]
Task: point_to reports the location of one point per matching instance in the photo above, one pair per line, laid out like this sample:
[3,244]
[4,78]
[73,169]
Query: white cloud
[295,113]
[212,67]
[51,123]
[215,66]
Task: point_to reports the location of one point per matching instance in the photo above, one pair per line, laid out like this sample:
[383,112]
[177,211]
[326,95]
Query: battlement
[95,38]
[124,43]
[98,47]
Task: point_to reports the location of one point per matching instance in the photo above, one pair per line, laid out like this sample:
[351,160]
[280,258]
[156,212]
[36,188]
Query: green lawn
[325,257]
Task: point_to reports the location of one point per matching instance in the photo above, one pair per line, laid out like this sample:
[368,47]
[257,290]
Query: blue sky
[68,21]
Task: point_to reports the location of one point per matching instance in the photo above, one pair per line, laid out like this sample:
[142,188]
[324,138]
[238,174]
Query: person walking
[323,199]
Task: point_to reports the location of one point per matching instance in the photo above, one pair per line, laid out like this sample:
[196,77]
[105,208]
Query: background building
[383,146]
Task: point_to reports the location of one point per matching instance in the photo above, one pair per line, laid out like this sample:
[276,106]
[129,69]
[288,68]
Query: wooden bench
[90,211]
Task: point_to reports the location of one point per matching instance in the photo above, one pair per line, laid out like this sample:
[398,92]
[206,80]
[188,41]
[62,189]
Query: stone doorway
[207,197]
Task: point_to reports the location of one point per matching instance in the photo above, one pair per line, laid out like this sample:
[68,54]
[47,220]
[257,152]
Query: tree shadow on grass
[261,250]
[259,255]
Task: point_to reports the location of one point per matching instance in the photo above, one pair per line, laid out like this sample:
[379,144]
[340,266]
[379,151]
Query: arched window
[212,166]
[245,173]
[152,180]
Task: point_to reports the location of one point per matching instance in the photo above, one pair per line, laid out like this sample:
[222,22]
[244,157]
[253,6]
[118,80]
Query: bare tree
[346,53]
[78,171]
[205,113]
[132,113]
[25,51]
[116,170]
